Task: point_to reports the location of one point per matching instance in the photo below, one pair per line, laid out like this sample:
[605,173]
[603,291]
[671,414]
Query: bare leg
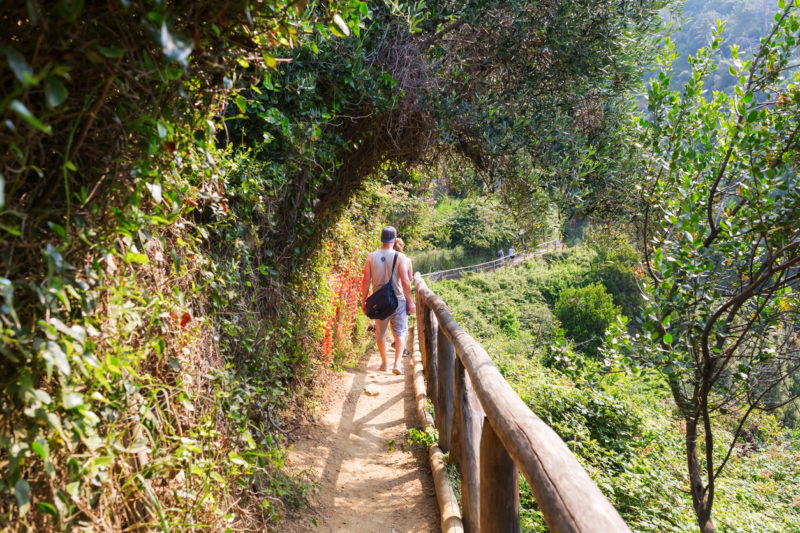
[399,347]
[381,341]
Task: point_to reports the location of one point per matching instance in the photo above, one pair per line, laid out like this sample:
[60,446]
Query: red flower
[185,319]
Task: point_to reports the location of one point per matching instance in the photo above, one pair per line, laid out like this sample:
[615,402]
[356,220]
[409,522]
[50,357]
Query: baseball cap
[388,234]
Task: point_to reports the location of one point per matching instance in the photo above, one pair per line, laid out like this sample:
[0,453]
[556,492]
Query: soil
[370,477]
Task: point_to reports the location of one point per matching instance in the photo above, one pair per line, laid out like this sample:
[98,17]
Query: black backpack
[383,302]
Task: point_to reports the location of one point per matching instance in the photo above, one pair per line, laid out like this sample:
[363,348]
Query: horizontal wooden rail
[491,433]
[494,264]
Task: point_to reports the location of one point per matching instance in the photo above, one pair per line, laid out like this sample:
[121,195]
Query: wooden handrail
[568,498]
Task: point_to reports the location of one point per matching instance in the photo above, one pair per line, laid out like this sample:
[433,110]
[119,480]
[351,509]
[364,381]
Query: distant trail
[364,485]
[502,262]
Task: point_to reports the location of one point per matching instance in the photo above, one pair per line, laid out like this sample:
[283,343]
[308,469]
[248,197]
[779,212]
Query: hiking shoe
[405,353]
[397,371]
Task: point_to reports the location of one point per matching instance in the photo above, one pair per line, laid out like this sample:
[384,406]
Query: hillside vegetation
[746,21]
[622,424]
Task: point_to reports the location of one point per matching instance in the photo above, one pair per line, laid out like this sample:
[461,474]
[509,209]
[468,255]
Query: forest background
[189,190]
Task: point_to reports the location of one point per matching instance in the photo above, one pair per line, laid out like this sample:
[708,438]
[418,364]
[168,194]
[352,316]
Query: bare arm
[405,280]
[366,280]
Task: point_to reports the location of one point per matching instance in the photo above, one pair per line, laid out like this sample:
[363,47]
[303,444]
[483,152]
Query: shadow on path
[370,478]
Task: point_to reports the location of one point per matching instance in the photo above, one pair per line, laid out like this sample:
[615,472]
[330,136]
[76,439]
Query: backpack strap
[391,273]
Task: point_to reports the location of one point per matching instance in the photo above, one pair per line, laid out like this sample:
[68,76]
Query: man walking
[377,270]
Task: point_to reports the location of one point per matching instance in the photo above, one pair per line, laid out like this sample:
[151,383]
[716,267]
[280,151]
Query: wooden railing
[455,273]
[491,434]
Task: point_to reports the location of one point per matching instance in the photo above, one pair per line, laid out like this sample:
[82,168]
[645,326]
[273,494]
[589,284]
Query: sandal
[383,367]
[396,370]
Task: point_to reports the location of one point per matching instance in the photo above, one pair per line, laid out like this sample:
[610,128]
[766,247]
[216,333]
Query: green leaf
[340,23]
[42,396]
[71,400]
[241,103]
[28,117]
[55,356]
[38,447]
[54,91]
[111,52]
[105,460]
[270,61]
[77,332]
[668,338]
[236,459]
[132,257]
[46,508]
[155,190]
[19,66]
[22,492]
[58,229]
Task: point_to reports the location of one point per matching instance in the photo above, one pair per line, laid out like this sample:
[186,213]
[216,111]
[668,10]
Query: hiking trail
[370,478]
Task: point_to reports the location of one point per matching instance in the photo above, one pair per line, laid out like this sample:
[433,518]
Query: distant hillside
[746,21]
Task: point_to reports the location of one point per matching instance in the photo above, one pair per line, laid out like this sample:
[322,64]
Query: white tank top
[382,266]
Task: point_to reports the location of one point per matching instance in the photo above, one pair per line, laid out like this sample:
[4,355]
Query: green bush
[585,313]
[509,322]
[481,226]
[614,267]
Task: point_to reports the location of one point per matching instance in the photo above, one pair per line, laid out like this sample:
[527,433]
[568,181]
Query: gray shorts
[399,321]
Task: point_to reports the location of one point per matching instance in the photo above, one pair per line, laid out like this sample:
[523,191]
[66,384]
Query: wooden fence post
[499,485]
[444,410]
[412,330]
[421,324]
[431,351]
[465,441]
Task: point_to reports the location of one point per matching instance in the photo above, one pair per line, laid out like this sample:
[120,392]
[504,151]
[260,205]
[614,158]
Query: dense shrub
[585,313]
[480,225]
[614,266]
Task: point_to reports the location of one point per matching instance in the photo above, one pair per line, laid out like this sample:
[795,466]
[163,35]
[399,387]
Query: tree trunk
[702,509]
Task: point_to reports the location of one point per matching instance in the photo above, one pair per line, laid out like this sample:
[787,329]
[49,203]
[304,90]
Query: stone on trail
[369,390]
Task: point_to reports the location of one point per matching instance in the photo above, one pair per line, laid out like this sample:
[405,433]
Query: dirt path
[370,478]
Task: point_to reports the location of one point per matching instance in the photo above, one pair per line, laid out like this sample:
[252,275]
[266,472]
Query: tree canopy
[721,240]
